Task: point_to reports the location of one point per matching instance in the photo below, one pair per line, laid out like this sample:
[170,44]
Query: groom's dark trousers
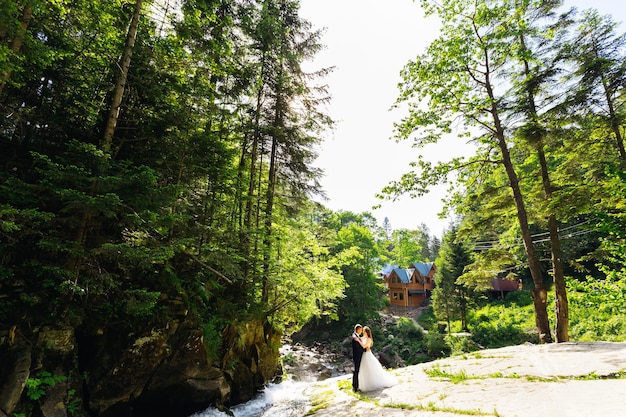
[357,354]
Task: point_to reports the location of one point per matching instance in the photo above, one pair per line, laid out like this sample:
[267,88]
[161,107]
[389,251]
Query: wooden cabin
[409,287]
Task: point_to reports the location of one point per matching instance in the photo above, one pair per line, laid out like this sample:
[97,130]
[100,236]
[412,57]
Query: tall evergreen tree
[451,299]
[457,77]
[533,90]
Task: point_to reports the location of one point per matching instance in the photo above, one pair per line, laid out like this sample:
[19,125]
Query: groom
[357,353]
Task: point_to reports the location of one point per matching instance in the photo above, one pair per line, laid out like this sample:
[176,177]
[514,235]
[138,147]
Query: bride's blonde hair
[368,332]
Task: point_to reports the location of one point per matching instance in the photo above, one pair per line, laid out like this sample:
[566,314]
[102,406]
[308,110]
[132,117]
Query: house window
[395,295]
[401,296]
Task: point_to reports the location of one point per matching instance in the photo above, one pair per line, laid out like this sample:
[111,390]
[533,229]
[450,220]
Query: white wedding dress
[372,375]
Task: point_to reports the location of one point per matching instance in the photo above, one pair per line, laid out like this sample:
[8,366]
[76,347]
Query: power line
[536,238]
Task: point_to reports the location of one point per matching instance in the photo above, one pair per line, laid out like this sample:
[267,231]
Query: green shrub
[460,344]
[436,345]
[497,335]
[405,338]
[519,298]
[427,319]
[212,330]
[406,327]
[595,308]
[36,387]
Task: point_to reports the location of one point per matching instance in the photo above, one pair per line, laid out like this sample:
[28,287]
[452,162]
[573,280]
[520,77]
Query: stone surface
[15,363]
[555,380]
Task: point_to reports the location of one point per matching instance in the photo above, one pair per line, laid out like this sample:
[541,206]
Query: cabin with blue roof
[410,287]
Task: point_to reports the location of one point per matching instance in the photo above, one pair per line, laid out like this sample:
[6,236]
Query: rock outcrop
[163,370]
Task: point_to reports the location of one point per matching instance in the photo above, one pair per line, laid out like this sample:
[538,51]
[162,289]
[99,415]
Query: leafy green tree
[407,247]
[356,256]
[307,282]
[283,125]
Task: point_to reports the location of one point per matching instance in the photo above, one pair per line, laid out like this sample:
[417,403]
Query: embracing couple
[369,374]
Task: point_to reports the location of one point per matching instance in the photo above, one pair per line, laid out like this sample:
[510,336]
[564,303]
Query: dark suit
[357,354]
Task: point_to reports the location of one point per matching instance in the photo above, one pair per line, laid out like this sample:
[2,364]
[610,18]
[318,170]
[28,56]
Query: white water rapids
[277,400]
[286,399]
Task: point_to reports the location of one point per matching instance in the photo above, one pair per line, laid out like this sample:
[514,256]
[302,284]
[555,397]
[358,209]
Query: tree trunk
[562,304]
[278,129]
[558,273]
[120,85]
[539,293]
[252,204]
[18,40]
[562,315]
[73,262]
[613,117]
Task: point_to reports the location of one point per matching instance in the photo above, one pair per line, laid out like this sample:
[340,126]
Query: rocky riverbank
[555,380]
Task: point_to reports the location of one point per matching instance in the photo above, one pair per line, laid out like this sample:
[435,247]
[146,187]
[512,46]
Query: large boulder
[164,370]
[251,358]
[15,362]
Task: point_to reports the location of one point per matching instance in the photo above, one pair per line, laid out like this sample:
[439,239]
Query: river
[286,399]
[303,366]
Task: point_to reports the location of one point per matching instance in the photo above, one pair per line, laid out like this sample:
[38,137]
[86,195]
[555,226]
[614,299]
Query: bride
[372,375]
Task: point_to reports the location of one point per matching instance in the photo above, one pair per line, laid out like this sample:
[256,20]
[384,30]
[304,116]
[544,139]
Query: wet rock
[325,374]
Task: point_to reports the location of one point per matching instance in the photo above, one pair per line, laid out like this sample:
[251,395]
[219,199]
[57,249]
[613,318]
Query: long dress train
[372,375]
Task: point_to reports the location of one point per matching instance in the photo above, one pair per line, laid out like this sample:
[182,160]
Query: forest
[157,183]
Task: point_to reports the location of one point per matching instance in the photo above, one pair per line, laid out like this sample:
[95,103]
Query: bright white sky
[369,42]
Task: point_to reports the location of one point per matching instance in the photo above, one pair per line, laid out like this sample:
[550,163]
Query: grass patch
[433,408]
[455,378]
[344,385]
[320,400]
[593,376]
[437,372]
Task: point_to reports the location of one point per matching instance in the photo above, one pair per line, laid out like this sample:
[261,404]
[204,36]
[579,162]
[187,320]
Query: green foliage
[596,309]
[73,402]
[355,254]
[452,298]
[427,318]
[461,344]
[306,283]
[503,323]
[141,304]
[213,337]
[519,298]
[37,387]
[436,345]
[405,338]
[406,327]
[495,335]
[89,236]
[594,313]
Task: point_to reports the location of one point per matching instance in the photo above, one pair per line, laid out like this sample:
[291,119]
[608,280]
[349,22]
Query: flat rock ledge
[574,379]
